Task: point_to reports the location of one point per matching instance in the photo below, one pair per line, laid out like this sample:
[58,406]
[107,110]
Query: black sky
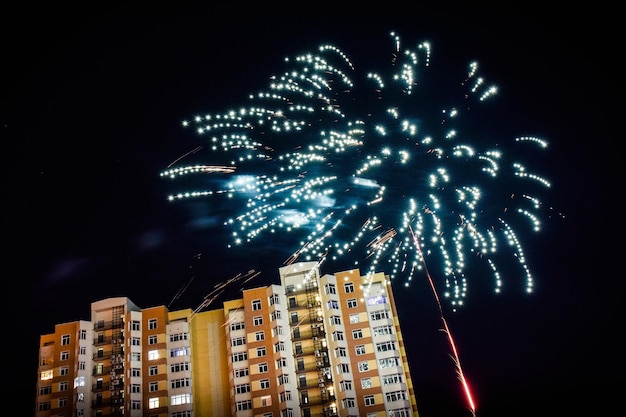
[94,107]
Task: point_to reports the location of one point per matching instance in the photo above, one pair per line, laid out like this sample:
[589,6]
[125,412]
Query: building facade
[312,345]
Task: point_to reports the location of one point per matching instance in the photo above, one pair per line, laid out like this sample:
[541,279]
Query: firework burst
[344,164]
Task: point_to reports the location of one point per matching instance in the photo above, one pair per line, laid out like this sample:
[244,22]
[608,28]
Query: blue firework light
[376,170]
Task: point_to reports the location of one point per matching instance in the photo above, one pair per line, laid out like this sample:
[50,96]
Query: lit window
[153,354]
[45,375]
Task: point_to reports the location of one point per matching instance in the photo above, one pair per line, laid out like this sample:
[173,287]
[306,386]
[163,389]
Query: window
[153,370]
[46,375]
[79,381]
[360,349]
[241,372]
[256,305]
[65,339]
[302,381]
[348,402]
[45,390]
[379,315]
[330,289]
[354,318]
[43,406]
[83,334]
[135,325]
[65,355]
[153,355]
[257,320]
[258,336]
[276,315]
[63,386]
[285,396]
[180,399]
[345,385]
[236,326]
[62,402]
[294,318]
[396,395]
[64,370]
[383,330]
[379,299]
[153,403]
[135,388]
[385,346]
[340,352]
[242,388]
[175,337]
[292,302]
[135,341]
[238,341]
[281,363]
[265,383]
[266,401]
[82,350]
[333,304]
[352,303]
[152,340]
[135,356]
[357,334]
[135,372]
[263,367]
[392,379]
[283,379]
[261,351]
[366,383]
[335,320]
[180,383]
[152,324]
[274,299]
[348,287]
[244,405]
[279,347]
[239,356]
[364,366]
[343,368]
[369,400]
[180,367]
[180,351]
[278,331]
[153,386]
[388,362]
[135,405]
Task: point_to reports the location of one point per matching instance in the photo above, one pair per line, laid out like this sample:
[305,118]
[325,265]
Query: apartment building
[311,345]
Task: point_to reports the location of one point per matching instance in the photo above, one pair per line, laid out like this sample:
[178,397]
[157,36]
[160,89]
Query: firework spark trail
[327,156]
[455,353]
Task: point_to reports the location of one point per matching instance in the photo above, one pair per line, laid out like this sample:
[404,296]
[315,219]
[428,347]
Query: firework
[342,164]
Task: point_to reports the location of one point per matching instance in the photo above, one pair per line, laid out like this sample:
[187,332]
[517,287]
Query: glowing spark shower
[339,165]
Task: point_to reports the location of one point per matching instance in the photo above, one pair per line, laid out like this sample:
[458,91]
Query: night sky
[95,106]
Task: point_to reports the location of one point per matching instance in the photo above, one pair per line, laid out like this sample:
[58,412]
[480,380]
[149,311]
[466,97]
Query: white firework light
[366,169]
